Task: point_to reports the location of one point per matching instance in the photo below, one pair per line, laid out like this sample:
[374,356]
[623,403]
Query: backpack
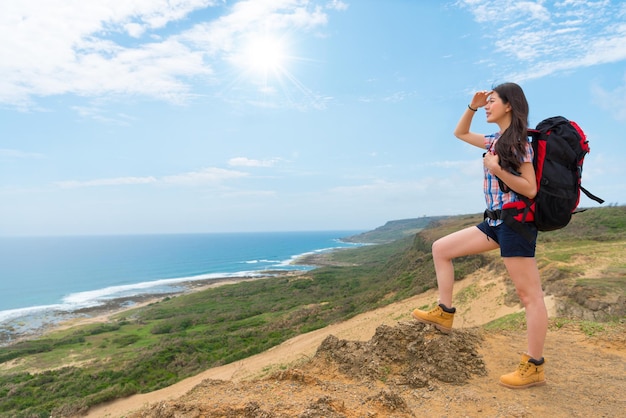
[559,147]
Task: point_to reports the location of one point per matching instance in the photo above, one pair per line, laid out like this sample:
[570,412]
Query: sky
[200,116]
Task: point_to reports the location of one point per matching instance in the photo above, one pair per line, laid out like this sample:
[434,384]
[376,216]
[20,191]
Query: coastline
[321,259]
[36,325]
[62,320]
[134,270]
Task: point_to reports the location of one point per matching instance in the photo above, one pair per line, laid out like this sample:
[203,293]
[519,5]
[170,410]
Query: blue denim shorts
[511,243]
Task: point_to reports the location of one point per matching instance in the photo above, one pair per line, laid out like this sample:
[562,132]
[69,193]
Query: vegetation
[152,347]
[394,230]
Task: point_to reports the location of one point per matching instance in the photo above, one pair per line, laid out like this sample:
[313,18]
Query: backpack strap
[591,195]
[514,215]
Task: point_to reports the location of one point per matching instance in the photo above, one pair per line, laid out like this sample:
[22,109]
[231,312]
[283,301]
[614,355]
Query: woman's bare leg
[464,242]
[525,276]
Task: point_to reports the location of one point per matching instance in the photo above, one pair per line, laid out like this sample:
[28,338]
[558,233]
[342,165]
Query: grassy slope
[394,230]
[153,347]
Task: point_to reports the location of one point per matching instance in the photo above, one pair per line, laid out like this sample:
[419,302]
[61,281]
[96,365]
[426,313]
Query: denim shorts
[511,243]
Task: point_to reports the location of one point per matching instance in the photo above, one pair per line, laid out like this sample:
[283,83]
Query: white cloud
[435,195]
[117,181]
[14,153]
[249,194]
[99,114]
[546,40]
[247,162]
[502,11]
[452,164]
[210,175]
[127,47]
[337,5]
[386,189]
[58,47]
[613,100]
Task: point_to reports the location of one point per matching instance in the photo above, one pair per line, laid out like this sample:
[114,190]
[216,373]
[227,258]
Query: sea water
[40,276]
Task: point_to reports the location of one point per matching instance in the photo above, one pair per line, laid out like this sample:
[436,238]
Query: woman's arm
[462,130]
[524,184]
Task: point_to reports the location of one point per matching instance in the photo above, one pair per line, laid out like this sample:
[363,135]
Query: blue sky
[146,116]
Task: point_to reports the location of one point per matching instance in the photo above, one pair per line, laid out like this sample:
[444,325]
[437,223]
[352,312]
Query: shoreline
[97,305]
[63,320]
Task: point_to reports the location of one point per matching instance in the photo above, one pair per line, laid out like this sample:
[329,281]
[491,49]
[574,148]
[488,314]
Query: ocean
[46,280]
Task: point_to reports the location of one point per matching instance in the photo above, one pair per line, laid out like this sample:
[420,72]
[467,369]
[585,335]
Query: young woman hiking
[508,173]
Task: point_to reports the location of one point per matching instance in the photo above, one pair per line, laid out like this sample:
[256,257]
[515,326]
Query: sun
[265,55]
[263,64]
[262,57]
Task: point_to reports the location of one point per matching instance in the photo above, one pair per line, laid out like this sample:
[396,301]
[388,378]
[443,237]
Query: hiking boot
[528,374]
[437,317]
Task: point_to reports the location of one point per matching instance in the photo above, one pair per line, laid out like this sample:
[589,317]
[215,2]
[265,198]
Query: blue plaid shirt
[494,196]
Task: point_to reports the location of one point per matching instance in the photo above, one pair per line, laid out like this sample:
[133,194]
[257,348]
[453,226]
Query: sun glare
[263,61]
[264,56]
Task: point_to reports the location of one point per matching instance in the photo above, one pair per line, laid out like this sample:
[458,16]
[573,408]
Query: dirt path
[291,352]
[586,376]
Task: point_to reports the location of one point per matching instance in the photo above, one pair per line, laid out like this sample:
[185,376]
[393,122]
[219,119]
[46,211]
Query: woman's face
[496,110]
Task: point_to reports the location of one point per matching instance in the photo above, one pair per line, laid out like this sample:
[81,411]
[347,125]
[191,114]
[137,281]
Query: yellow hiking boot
[528,374]
[437,317]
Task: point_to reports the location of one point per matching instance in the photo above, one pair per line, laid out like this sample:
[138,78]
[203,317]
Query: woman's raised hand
[480,98]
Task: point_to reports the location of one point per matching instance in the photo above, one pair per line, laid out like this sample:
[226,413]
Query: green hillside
[152,347]
[394,230]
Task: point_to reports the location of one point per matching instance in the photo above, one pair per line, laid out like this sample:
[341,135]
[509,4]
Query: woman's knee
[439,249]
[530,297]
[523,297]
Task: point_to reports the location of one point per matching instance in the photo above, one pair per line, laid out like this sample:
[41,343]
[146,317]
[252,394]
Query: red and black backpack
[560,147]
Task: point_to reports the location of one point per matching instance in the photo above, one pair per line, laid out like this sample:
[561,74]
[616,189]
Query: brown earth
[384,364]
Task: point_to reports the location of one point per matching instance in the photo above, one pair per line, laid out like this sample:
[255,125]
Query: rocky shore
[38,324]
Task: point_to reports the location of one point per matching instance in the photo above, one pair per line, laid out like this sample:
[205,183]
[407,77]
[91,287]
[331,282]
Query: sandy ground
[586,375]
[360,328]
[291,352]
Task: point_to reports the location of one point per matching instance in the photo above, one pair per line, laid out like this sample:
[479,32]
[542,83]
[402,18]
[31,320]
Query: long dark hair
[512,144]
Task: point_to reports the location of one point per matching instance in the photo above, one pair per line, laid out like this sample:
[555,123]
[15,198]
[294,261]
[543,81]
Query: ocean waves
[82,277]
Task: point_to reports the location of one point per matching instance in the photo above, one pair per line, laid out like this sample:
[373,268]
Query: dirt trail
[586,376]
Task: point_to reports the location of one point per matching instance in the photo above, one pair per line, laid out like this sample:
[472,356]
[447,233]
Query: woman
[508,173]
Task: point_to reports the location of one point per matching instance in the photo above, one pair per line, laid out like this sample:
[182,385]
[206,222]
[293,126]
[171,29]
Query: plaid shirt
[494,196]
